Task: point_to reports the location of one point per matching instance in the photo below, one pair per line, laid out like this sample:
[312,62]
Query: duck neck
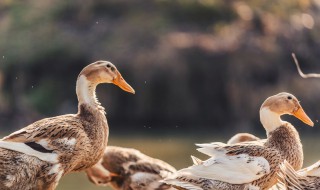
[270,120]
[86,92]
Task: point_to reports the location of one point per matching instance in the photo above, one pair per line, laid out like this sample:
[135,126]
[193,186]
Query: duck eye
[108,65]
[289,97]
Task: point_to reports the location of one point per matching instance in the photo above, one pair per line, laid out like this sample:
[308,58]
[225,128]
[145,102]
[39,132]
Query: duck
[251,165]
[242,137]
[38,155]
[129,169]
[305,179]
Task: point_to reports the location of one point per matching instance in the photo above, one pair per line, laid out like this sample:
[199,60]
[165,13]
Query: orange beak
[119,81]
[300,114]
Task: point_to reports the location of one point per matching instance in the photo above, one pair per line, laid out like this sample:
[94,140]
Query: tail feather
[289,177]
[196,161]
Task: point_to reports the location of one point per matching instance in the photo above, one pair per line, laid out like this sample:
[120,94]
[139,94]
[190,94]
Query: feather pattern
[304,179]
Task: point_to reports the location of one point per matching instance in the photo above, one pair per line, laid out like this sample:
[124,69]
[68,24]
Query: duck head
[280,104]
[105,72]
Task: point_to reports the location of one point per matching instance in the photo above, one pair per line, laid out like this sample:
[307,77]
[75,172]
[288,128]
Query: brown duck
[37,156]
[249,165]
[129,169]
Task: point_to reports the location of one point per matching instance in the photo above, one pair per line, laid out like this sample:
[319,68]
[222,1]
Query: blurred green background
[200,68]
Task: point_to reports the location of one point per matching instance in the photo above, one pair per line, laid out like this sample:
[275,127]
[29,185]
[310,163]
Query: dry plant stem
[310,75]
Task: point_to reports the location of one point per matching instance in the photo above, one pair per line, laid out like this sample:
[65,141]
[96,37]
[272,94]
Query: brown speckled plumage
[89,127]
[56,146]
[19,171]
[283,143]
[121,168]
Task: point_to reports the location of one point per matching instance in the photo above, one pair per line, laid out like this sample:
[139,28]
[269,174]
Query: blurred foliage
[198,66]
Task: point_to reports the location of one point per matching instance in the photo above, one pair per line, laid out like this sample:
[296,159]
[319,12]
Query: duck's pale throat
[86,91]
[269,119]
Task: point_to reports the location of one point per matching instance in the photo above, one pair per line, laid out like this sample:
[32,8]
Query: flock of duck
[37,156]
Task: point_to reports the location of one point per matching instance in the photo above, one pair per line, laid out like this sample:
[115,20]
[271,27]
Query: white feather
[289,177]
[212,149]
[239,169]
[196,161]
[313,170]
[23,148]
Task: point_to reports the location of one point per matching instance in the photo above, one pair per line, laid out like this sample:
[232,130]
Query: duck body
[52,147]
[66,142]
[271,151]
[249,165]
[129,169]
[68,138]
[304,179]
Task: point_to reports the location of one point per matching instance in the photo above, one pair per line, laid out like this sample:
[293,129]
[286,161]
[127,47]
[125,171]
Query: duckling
[304,179]
[249,165]
[242,137]
[37,156]
[129,169]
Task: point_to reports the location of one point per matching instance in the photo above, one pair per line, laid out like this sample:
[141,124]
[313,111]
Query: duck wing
[43,137]
[232,164]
